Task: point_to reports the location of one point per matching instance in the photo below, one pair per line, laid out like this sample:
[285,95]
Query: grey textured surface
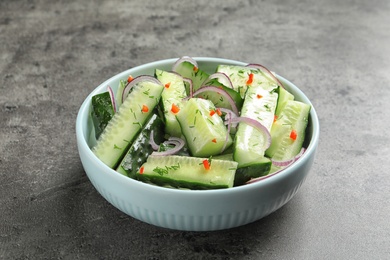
[52,54]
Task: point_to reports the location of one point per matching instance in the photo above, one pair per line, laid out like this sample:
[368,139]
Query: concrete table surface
[53,53]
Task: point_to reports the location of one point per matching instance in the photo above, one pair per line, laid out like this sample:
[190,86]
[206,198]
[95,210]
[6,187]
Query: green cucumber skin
[126,123]
[140,148]
[119,92]
[295,115]
[246,172]
[102,112]
[186,69]
[200,128]
[254,170]
[172,95]
[187,172]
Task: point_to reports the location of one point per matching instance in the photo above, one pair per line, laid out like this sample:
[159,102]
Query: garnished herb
[146,92]
[137,123]
[161,171]
[267,107]
[117,147]
[211,122]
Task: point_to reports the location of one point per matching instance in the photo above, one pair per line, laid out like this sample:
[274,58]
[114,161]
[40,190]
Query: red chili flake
[214,140]
[293,135]
[130,79]
[219,112]
[175,109]
[250,80]
[206,164]
[167,85]
[195,69]
[141,170]
[212,112]
[275,118]
[145,108]
[259,96]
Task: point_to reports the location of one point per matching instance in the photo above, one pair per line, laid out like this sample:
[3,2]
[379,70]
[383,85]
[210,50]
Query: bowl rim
[310,150]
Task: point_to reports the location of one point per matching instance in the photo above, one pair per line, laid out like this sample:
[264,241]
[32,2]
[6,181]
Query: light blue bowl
[195,210]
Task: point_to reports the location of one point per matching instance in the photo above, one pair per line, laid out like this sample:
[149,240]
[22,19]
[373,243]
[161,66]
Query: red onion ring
[264,69]
[137,80]
[221,77]
[184,59]
[221,92]
[112,96]
[256,124]
[177,142]
[284,164]
[152,142]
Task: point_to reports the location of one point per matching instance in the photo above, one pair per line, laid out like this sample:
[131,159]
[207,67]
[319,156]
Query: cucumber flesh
[283,97]
[205,133]
[102,112]
[260,105]
[248,171]
[173,93]
[239,76]
[187,172]
[119,92]
[294,117]
[218,99]
[140,148]
[126,123]
[198,76]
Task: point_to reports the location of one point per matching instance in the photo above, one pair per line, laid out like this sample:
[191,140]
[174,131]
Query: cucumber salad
[188,129]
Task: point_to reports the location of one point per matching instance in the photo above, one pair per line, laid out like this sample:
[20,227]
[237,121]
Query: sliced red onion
[152,142]
[184,59]
[221,77]
[256,124]
[283,164]
[135,81]
[290,161]
[221,92]
[267,71]
[112,96]
[177,142]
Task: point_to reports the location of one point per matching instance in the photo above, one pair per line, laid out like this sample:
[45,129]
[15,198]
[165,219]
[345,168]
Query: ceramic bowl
[193,210]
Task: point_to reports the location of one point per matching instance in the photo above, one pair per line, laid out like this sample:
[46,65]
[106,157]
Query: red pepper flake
[293,135]
[145,108]
[259,96]
[167,85]
[212,112]
[195,69]
[175,109]
[206,164]
[250,80]
[130,79]
[275,118]
[141,170]
[214,140]
[219,112]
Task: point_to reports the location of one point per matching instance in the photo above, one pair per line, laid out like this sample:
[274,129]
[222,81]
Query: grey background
[53,53]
